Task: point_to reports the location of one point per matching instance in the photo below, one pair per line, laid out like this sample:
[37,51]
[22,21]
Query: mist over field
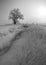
[34,10]
[23,32]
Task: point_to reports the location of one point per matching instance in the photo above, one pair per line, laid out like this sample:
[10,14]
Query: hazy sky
[31,9]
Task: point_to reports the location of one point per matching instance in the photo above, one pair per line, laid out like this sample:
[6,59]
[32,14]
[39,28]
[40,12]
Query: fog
[34,10]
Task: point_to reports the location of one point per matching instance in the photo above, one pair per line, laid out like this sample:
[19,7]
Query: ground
[28,45]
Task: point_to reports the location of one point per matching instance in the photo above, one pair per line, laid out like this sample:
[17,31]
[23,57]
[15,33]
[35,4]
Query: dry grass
[28,47]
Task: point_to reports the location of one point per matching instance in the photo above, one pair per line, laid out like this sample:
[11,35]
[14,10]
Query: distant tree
[15,14]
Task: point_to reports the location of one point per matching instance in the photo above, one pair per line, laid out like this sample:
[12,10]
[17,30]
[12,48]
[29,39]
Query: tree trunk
[14,21]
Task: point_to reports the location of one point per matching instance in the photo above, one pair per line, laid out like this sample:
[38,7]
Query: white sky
[31,9]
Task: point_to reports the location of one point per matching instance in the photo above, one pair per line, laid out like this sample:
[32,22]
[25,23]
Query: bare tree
[15,14]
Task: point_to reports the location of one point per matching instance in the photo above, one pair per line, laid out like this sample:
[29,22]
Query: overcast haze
[29,8]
